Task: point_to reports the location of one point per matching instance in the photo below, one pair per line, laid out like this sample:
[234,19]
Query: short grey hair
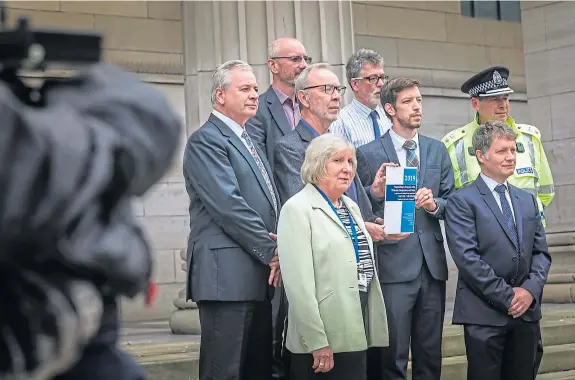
[220,76]
[318,154]
[358,59]
[487,132]
[302,80]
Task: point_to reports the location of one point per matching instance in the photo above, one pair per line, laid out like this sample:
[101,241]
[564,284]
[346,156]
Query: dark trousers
[538,357]
[347,366]
[236,341]
[502,353]
[281,356]
[101,359]
[415,313]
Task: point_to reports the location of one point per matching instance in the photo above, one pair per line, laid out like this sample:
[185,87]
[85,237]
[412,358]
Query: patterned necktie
[507,214]
[261,166]
[290,104]
[411,160]
[374,116]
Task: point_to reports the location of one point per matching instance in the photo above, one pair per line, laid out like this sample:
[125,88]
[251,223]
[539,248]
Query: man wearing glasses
[363,120]
[319,95]
[278,111]
[278,114]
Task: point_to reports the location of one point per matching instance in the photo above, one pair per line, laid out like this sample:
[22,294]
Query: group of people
[288,259]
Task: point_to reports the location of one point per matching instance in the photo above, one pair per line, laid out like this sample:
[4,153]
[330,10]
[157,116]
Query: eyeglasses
[373,79]
[329,89]
[296,58]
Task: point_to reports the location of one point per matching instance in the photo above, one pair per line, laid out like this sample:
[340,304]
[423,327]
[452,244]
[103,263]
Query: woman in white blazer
[336,307]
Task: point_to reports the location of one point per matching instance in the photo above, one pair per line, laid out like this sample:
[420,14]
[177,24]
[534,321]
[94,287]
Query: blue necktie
[374,116]
[507,214]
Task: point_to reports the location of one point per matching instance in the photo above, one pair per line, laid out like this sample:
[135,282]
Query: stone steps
[554,332]
[555,359]
[563,375]
[558,332]
[180,360]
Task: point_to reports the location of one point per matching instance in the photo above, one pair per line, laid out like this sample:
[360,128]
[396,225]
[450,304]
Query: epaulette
[455,135]
[529,129]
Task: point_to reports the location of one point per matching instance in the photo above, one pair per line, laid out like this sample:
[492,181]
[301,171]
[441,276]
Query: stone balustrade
[186,319]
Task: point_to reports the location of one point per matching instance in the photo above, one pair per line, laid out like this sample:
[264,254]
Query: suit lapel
[303,132]
[239,145]
[319,203]
[517,213]
[423,151]
[492,204]
[277,111]
[388,148]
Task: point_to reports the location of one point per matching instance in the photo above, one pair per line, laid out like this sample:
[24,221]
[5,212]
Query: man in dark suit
[318,110]
[232,257]
[319,94]
[497,241]
[278,112]
[413,271]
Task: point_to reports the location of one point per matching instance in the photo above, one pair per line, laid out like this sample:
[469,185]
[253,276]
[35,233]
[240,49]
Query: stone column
[549,47]
[218,31]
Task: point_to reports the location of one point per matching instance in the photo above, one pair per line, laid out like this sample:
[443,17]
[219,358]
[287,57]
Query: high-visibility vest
[532,172]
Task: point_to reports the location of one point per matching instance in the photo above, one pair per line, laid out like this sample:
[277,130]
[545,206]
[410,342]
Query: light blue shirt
[355,125]
[401,152]
[491,184]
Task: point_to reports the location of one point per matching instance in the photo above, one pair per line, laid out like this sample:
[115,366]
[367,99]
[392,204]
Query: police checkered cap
[489,82]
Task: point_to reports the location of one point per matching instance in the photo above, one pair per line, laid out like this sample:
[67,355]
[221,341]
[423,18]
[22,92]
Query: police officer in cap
[489,92]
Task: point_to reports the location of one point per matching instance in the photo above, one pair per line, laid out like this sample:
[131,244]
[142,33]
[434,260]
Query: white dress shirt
[491,184]
[401,152]
[355,125]
[398,142]
[235,127]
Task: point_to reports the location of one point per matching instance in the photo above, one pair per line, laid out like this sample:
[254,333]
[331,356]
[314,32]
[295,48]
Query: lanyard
[353,234]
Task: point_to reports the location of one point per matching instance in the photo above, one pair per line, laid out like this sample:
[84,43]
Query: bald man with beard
[278,112]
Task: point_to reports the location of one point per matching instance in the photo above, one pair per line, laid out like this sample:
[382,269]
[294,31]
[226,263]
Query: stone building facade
[175,46]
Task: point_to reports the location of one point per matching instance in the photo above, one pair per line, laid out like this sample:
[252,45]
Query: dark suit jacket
[269,124]
[489,266]
[231,214]
[401,261]
[289,156]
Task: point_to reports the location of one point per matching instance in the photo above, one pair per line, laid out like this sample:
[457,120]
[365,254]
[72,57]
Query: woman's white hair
[318,154]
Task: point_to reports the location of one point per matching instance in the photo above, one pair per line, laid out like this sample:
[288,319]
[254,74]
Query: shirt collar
[281,96]
[234,126]
[510,122]
[310,128]
[491,183]
[398,141]
[361,108]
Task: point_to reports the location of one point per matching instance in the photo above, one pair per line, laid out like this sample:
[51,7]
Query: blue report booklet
[400,188]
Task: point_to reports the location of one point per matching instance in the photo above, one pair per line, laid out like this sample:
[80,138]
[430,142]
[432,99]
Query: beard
[407,123]
[289,79]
